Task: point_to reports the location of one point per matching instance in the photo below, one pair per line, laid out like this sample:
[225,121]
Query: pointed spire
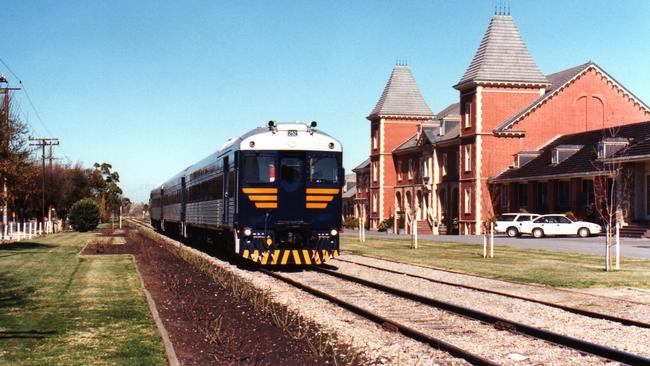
[502,56]
[401,96]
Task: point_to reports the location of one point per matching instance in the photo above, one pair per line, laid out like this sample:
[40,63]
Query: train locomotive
[272,196]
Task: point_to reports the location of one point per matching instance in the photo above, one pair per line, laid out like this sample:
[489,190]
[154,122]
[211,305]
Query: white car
[559,225]
[510,223]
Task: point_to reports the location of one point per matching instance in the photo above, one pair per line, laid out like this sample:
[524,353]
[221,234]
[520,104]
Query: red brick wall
[395,132]
[589,103]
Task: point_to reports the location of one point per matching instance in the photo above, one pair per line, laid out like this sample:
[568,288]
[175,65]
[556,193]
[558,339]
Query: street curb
[169,347]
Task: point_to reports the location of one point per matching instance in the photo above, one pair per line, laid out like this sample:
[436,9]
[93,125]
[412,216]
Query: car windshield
[323,170]
[506,218]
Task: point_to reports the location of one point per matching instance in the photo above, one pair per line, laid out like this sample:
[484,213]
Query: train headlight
[334,232]
[248,231]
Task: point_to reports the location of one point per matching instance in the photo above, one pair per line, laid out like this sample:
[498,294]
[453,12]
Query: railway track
[583,312]
[426,331]
[441,324]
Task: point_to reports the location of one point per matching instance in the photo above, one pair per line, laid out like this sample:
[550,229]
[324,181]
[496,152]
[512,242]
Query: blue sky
[152,86]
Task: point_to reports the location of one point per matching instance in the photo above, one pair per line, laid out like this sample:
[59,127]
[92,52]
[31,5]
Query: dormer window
[563,152]
[610,146]
[442,128]
[524,157]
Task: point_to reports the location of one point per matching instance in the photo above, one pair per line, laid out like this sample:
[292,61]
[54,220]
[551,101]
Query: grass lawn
[57,307]
[513,264]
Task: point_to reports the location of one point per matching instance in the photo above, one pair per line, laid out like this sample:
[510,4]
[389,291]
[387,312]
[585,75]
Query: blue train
[272,196]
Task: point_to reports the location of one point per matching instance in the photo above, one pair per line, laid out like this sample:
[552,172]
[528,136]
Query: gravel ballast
[608,333]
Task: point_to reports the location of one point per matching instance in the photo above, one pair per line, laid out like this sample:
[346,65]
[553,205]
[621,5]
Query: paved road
[630,247]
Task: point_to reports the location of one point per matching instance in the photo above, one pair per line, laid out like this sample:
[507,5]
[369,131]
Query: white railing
[17,231]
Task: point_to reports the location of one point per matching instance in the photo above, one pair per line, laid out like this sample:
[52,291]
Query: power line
[31,103]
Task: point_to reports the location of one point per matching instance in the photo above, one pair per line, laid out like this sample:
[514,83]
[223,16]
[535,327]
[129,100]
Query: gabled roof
[502,57]
[585,160]
[401,96]
[452,110]
[452,131]
[407,145]
[559,81]
[350,193]
[365,164]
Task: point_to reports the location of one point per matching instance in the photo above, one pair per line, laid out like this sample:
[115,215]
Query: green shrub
[351,223]
[571,215]
[84,215]
[386,224]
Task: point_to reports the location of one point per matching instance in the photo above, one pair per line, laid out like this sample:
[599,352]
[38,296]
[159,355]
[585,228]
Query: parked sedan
[559,225]
[510,223]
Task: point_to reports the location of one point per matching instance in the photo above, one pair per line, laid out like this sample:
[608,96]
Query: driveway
[630,247]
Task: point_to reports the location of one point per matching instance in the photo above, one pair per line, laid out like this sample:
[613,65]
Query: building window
[399,170]
[588,192]
[444,164]
[374,202]
[374,171]
[468,206]
[503,196]
[541,197]
[425,167]
[375,138]
[522,192]
[468,158]
[468,115]
[410,169]
[563,195]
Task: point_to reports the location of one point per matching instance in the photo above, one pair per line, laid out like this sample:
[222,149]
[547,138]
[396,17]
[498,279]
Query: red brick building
[438,169]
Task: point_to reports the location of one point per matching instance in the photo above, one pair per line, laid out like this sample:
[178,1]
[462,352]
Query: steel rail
[560,339]
[588,313]
[403,329]
[500,279]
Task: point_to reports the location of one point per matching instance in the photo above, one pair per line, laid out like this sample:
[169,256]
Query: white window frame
[399,170]
[468,115]
[375,173]
[468,201]
[467,166]
[375,138]
[410,169]
[444,164]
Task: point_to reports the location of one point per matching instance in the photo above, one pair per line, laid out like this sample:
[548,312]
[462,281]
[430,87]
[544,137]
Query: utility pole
[4,146]
[42,142]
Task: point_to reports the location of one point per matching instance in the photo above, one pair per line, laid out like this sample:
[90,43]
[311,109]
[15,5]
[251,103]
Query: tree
[104,184]
[612,187]
[14,155]
[84,215]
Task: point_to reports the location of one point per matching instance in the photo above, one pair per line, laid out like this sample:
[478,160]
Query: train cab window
[290,170]
[259,169]
[323,170]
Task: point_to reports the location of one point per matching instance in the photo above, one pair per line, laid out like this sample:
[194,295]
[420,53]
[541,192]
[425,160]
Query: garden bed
[206,323]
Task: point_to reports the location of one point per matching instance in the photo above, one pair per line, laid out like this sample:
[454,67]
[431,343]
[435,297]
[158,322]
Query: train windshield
[259,169]
[323,170]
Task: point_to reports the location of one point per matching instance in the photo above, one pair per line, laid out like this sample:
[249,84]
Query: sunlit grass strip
[62,308]
[558,269]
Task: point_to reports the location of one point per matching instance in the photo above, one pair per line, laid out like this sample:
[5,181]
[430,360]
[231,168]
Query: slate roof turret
[401,97]
[502,57]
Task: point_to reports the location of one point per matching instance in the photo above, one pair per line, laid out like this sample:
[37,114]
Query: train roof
[283,136]
[287,136]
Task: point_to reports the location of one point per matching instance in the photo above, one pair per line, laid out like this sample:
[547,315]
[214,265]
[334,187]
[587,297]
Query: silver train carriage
[272,195]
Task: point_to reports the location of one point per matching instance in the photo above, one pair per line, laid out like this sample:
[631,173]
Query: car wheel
[512,232]
[583,232]
[538,233]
